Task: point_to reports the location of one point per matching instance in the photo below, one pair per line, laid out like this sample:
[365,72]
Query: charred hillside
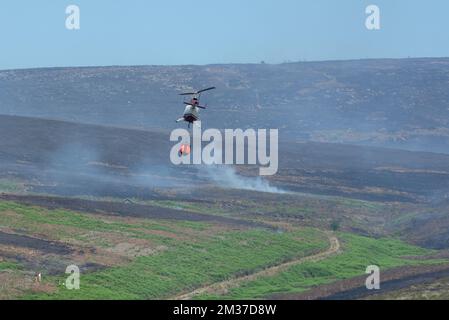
[398,103]
[70,158]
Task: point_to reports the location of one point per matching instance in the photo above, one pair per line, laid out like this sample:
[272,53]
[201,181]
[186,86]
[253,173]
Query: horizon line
[218,64]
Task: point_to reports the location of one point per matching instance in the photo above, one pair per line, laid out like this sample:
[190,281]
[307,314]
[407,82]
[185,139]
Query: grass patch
[190,265]
[353,203]
[11,186]
[31,218]
[359,252]
[8,265]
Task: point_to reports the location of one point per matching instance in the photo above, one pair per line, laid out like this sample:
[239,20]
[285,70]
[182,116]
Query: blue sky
[141,32]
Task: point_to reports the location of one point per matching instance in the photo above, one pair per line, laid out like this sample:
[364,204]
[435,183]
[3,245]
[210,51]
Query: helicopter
[191,112]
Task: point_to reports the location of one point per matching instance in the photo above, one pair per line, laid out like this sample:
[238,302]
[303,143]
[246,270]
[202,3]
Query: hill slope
[69,158]
[398,103]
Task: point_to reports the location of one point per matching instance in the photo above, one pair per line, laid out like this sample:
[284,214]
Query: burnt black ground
[34,243]
[128,209]
[400,103]
[390,286]
[75,159]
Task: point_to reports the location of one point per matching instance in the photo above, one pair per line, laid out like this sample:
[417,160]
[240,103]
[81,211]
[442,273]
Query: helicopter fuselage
[191,114]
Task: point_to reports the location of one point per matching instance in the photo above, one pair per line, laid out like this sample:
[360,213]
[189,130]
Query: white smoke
[227,177]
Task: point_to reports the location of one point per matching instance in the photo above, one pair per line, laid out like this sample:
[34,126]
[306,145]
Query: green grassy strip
[359,252]
[188,266]
[8,265]
[32,217]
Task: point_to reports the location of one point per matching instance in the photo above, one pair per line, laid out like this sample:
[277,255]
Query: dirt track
[224,286]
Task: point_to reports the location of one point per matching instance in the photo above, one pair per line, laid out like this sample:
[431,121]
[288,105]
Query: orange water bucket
[184,150]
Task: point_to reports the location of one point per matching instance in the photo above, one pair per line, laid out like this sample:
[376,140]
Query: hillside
[396,103]
[79,159]
[86,179]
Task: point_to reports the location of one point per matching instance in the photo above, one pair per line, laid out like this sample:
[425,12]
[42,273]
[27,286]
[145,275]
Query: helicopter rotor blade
[207,89]
[198,92]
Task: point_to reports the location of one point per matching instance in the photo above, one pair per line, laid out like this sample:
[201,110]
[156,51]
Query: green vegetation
[8,265]
[10,186]
[335,225]
[31,219]
[197,207]
[195,254]
[359,252]
[360,204]
[190,265]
